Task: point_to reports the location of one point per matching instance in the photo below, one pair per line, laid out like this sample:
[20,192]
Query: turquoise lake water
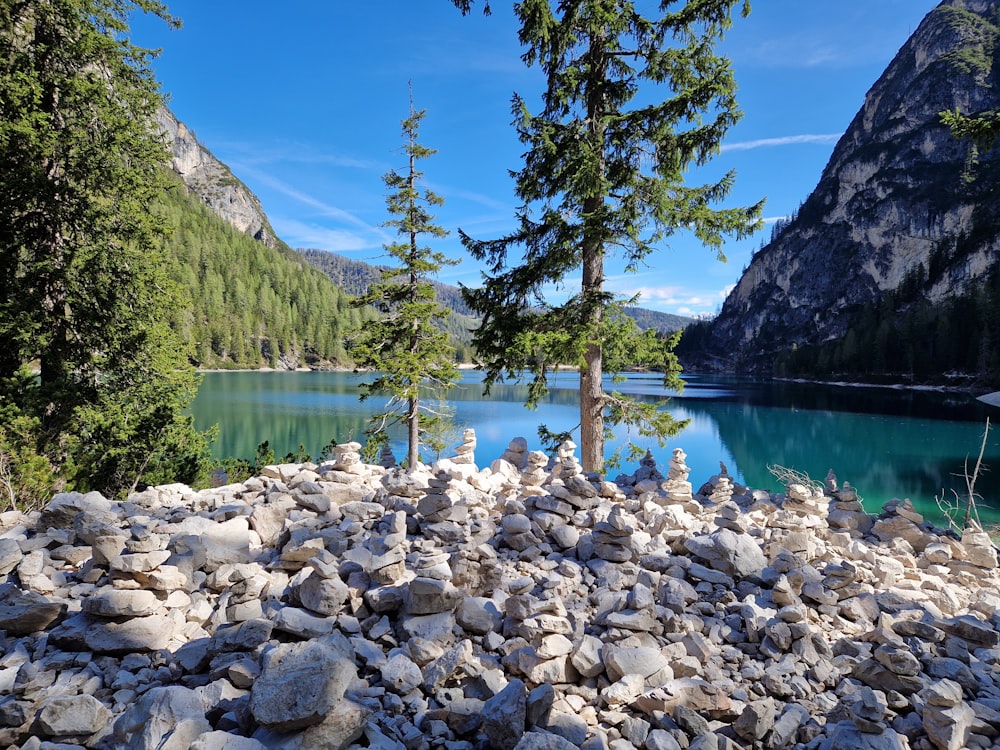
[886,442]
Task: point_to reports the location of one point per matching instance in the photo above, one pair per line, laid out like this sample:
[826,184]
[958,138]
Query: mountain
[355,277]
[251,300]
[255,301]
[213,182]
[902,226]
[661,321]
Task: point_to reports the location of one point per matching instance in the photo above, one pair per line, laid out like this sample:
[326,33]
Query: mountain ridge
[355,276]
[218,188]
[899,194]
[214,182]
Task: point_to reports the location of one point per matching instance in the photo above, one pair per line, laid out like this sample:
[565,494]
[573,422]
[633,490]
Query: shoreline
[991,398]
[523,601]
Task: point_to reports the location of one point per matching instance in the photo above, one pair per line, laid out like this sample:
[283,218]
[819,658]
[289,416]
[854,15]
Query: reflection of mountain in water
[886,442]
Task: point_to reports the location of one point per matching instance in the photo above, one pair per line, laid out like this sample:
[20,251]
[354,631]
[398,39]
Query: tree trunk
[591,377]
[413,423]
[592,411]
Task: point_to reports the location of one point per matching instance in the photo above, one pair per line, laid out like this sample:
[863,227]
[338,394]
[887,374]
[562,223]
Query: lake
[886,442]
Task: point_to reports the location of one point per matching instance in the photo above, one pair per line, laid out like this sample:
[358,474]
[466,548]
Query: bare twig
[970,482]
[788,476]
[7,479]
[968,507]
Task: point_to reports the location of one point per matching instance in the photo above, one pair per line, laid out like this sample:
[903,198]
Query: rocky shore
[525,605]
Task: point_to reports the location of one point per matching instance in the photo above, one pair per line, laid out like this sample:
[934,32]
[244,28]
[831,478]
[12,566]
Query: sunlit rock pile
[524,606]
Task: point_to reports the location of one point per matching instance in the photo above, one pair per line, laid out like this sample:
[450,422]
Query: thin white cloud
[260,153]
[788,140]
[451,193]
[301,234]
[801,51]
[324,209]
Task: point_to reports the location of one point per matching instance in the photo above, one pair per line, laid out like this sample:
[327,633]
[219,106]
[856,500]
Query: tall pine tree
[404,345]
[604,175]
[92,380]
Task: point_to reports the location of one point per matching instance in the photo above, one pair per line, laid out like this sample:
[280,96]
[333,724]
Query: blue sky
[304,101]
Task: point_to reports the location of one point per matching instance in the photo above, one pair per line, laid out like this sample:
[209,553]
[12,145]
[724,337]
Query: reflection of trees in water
[902,452]
[883,456]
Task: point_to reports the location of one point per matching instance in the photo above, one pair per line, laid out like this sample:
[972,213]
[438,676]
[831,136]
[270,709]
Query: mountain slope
[251,305]
[900,199]
[259,304]
[213,182]
[355,277]
[253,302]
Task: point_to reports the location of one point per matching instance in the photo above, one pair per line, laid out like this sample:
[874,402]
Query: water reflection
[886,442]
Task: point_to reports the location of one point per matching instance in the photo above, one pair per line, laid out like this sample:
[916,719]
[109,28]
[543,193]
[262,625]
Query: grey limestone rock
[736,555]
[165,717]
[540,740]
[300,683]
[23,612]
[504,716]
[73,715]
[641,618]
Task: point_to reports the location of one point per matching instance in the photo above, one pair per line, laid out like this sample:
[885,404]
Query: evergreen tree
[983,129]
[92,380]
[605,175]
[403,344]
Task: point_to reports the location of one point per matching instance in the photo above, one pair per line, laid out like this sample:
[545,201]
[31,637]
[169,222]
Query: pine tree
[604,175]
[90,372]
[403,344]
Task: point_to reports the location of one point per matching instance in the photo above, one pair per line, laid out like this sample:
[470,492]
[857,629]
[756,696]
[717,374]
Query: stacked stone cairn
[523,606]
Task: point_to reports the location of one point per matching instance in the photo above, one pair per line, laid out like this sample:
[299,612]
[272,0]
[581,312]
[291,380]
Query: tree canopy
[92,380]
[604,175]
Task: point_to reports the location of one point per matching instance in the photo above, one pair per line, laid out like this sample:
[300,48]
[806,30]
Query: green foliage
[356,278]
[249,305]
[982,129]
[27,478]
[403,344]
[975,57]
[979,37]
[234,469]
[85,289]
[466,6]
[605,175]
[904,336]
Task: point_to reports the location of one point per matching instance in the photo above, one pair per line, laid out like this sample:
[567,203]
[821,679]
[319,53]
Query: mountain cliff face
[899,193]
[213,182]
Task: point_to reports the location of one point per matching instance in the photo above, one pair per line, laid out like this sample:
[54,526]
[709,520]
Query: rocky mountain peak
[213,182]
[899,191]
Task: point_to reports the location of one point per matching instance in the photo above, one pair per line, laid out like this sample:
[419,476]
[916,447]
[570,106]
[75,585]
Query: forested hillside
[905,334]
[355,277]
[251,305]
[661,321]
